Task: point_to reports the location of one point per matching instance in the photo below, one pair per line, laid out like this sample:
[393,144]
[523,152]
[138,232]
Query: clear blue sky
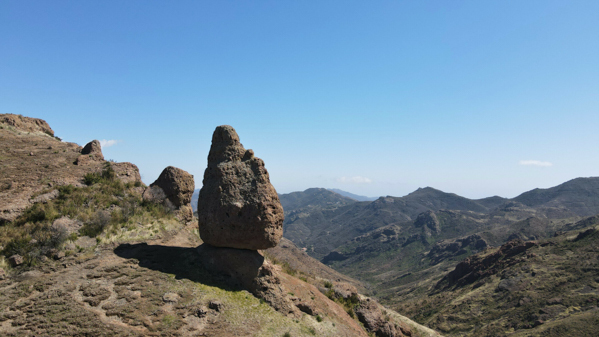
[478,98]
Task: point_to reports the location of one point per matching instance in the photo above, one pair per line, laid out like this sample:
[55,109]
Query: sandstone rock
[16,260]
[92,148]
[27,124]
[428,220]
[247,269]
[177,185]
[91,152]
[237,206]
[374,319]
[126,172]
[345,290]
[173,189]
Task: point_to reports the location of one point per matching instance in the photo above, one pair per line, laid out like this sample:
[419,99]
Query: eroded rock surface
[91,152]
[173,188]
[238,207]
[177,185]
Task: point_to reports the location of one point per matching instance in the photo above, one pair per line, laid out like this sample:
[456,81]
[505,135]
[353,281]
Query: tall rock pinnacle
[238,207]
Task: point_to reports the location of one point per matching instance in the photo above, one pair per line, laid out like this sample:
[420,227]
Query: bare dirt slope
[150,289]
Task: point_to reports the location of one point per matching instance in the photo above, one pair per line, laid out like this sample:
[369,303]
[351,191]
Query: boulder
[173,189]
[16,260]
[237,206]
[177,185]
[126,172]
[376,321]
[91,152]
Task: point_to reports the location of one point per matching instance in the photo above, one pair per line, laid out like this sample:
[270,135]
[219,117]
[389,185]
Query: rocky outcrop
[91,152]
[428,222]
[173,189]
[446,249]
[237,206]
[177,185]
[126,172]
[247,269]
[376,321]
[477,267]
[26,124]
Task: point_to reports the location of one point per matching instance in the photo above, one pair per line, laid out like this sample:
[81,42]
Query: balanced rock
[238,207]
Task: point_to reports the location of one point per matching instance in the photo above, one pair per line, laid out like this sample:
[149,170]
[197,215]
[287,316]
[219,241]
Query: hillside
[352,196]
[544,288]
[323,230]
[93,251]
[400,254]
[578,196]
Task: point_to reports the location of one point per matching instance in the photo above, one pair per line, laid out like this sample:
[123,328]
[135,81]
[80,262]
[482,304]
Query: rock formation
[429,222]
[27,124]
[237,206]
[126,172]
[173,188]
[92,151]
[177,184]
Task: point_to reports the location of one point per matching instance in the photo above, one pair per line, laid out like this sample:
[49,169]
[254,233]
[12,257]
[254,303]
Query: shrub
[58,235]
[92,178]
[100,220]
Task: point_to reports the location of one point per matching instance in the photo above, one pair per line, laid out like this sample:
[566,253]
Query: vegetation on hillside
[104,205]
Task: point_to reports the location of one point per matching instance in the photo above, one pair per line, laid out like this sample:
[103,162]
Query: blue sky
[477,98]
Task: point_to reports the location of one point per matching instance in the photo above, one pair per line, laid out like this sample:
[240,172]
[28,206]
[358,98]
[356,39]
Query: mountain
[194,199]
[352,196]
[313,198]
[578,196]
[523,288]
[401,248]
[322,230]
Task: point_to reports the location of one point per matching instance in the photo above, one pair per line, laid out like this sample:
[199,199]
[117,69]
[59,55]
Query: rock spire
[238,207]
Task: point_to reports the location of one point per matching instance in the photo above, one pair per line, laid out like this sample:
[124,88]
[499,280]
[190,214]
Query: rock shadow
[225,268]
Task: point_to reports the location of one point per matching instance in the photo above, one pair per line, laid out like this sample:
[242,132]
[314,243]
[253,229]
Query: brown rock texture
[126,172]
[477,267]
[375,320]
[237,206]
[177,185]
[27,124]
[92,151]
[173,189]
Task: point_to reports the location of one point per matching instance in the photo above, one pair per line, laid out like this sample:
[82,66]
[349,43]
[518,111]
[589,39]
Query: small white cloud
[108,143]
[354,180]
[535,163]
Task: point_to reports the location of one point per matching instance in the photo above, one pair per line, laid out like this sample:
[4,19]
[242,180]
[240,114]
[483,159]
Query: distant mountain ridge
[352,196]
[322,229]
